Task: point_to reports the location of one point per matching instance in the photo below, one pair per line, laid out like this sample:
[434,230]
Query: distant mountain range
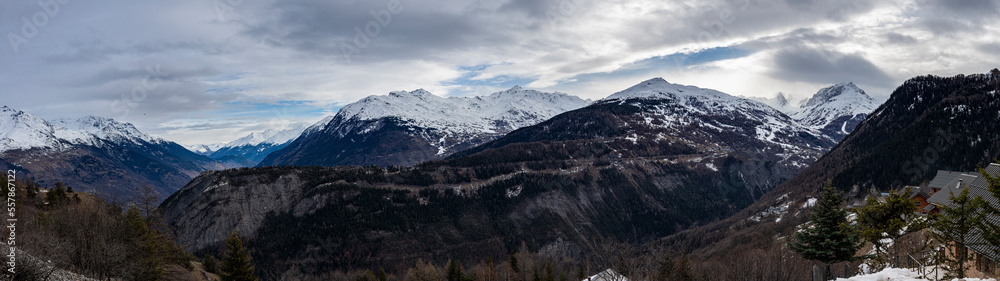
[405,128]
[643,163]
[402,128]
[253,147]
[96,154]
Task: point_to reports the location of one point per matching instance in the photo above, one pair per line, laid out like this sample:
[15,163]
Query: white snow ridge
[497,113]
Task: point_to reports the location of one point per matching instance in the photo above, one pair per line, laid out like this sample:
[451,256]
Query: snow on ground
[897,274]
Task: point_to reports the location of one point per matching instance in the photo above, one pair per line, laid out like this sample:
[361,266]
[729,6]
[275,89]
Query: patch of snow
[711,166]
[809,203]
[897,274]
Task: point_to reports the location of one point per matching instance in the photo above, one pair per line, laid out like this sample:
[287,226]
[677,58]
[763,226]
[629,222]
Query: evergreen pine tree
[990,229]
[549,275]
[890,218]
[513,264]
[151,256]
[828,239]
[666,268]
[455,271]
[211,265]
[381,275]
[579,273]
[682,270]
[237,265]
[954,225]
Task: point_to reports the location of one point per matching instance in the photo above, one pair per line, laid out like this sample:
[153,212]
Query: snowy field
[897,274]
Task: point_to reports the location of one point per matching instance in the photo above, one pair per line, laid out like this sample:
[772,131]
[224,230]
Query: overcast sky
[209,71]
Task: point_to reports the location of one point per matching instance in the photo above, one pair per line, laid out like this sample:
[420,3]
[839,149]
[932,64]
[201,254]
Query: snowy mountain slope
[105,129]
[404,128]
[501,111]
[21,130]
[836,110]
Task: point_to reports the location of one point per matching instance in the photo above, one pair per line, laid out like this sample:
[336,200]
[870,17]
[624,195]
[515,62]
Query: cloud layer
[222,68]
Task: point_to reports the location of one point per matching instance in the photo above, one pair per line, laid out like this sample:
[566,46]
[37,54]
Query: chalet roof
[978,186]
[916,190]
[930,207]
[943,197]
[943,178]
[993,169]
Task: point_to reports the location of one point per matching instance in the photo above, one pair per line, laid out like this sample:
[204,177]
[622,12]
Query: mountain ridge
[97,154]
[405,128]
[615,169]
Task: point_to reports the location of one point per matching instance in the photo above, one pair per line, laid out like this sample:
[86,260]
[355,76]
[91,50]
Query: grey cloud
[971,9]
[154,70]
[533,8]
[803,64]
[317,28]
[901,39]
[948,26]
[990,48]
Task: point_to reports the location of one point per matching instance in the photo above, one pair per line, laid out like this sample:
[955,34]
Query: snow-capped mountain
[656,113]
[501,111]
[688,105]
[404,128]
[95,154]
[257,145]
[21,130]
[836,110]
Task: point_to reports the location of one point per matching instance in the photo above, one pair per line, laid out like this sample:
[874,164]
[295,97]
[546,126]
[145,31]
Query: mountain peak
[659,88]
[655,80]
[836,109]
[828,94]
